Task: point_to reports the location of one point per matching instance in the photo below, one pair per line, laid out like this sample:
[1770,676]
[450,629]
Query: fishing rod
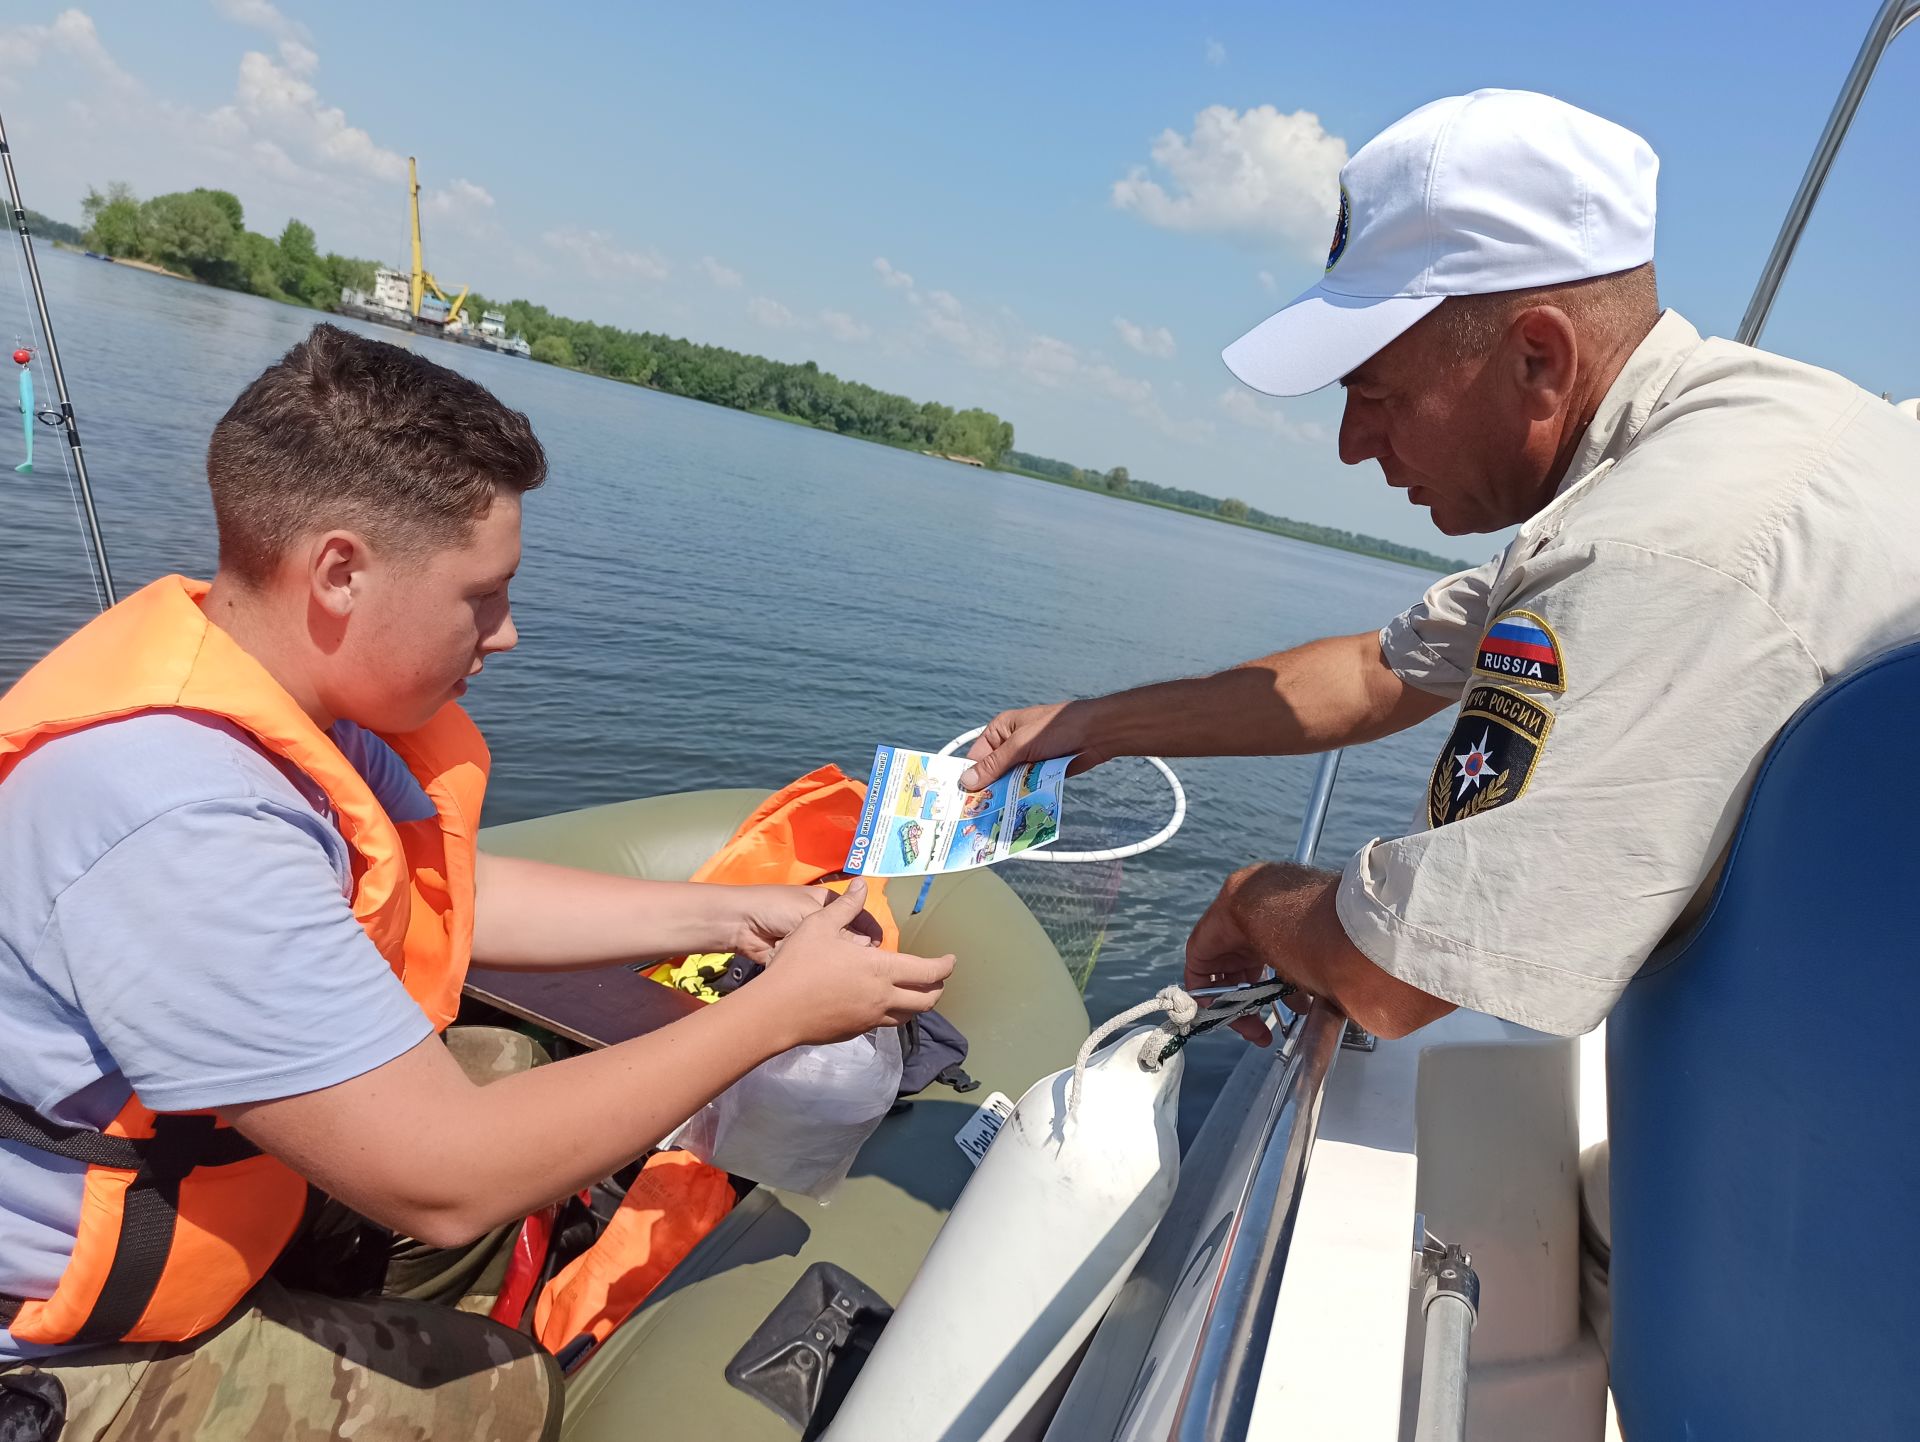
[62,418]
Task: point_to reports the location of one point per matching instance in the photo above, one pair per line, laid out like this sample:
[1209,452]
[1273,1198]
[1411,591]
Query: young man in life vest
[237,829]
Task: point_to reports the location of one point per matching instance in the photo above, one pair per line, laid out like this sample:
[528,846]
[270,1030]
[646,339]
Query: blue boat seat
[1764,1106]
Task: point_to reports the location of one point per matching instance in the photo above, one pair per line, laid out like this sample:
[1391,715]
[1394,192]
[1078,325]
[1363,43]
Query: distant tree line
[46,227]
[753,383]
[203,233]
[1117,481]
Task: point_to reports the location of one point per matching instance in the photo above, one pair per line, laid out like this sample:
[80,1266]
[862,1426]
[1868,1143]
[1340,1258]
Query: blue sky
[1058,212]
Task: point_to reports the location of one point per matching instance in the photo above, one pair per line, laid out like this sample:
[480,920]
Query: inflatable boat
[662,1375]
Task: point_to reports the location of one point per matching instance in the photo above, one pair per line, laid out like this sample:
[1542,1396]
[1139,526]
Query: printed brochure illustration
[918,820]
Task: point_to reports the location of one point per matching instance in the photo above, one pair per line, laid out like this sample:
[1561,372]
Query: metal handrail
[1216,1404]
[1216,1401]
[1894,16]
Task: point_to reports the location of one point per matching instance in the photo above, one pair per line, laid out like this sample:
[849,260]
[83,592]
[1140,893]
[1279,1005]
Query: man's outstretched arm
[1281,916]
[1338,691]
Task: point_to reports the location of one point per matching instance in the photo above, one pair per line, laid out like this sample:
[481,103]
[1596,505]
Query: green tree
[296,245]
[1118,480]
[300,274]
[258,265]
[115,223]
[345,273]
[554,350]
[1233,508]
[195,232]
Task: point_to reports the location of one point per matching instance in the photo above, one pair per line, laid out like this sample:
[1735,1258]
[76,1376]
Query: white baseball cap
[1497,190]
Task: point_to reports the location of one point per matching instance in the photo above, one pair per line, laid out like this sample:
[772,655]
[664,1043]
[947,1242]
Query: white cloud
[600,257]
[771,314]
[71,36]
[994,339]
[1268,283]
[723,277]
[1049,361]
[275,100]
[1260,176]
[1155,341]
[1242,405]
[461,197]
[259,15]
[1216,53]
[841,326]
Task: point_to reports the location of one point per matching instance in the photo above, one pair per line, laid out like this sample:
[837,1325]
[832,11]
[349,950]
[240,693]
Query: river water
[710,598]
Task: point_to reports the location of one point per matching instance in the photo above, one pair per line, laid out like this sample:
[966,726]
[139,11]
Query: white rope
[1112,853]
[1183,1022]
[1181,1009]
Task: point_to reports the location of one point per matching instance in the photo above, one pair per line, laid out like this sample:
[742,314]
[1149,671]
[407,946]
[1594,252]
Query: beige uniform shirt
[1737,529]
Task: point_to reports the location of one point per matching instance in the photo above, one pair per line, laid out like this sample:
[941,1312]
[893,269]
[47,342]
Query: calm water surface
[713,599]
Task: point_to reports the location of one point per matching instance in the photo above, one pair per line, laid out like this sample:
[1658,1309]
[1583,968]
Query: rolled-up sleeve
[1573,813]
[1431,643]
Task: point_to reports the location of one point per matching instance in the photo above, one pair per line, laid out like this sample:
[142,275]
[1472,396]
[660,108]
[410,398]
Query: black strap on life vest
[180,1144]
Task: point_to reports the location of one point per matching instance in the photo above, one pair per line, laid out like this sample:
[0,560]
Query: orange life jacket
[181,1214]
[795,837]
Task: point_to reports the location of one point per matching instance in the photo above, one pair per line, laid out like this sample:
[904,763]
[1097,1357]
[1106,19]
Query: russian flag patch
[1521,647]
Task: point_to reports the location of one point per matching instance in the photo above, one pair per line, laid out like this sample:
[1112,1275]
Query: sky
[1058,212]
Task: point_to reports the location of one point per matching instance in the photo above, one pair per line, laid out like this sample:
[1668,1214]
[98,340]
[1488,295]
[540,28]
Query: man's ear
[336,572]
[1544,352]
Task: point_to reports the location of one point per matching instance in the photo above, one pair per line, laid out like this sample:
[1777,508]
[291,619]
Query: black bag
[33,1406]
[931,1050]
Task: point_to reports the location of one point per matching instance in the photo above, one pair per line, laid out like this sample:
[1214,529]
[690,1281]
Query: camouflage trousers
[289,1364]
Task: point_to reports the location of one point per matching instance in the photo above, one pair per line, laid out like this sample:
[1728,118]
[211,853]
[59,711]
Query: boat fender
[1034,1250]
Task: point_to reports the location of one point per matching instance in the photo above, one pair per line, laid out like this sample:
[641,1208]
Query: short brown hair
[351,432]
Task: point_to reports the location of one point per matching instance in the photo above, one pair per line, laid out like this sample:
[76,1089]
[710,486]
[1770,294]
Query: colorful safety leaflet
[918,820]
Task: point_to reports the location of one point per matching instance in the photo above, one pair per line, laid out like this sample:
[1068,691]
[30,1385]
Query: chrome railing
[1216,1404]
[1180,1351]
[1894,16]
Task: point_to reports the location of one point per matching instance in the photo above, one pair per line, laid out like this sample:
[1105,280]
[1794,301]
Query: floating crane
[423,280]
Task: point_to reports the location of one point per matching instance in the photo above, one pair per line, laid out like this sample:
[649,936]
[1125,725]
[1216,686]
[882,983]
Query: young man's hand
[830,982]
[768,915]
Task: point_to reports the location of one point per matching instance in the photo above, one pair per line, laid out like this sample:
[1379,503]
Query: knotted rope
[1182,1025]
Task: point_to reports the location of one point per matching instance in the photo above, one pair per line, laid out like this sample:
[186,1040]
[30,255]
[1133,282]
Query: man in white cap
[1707,534]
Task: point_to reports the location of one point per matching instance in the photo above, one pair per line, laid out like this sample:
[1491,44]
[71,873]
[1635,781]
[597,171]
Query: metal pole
[1217,1402]
[1451,1305]
[67,422]
[1443,1372]
[1894,16]
[1319,799]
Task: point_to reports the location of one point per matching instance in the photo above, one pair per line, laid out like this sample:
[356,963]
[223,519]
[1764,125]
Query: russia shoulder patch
[1521,647]
[1490,756]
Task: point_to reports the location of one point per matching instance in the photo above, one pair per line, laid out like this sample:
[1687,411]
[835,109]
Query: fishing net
[1111,815]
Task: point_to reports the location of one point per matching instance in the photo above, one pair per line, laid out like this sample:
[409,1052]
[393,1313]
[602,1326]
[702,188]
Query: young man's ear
[336,561]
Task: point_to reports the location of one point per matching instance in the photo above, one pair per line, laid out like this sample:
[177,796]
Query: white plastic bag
[797,1120]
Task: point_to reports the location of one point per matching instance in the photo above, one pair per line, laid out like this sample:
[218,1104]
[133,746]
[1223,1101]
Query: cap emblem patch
[1340,227]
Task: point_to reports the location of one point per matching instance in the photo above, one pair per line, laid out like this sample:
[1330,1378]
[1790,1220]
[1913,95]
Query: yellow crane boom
[423,280]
